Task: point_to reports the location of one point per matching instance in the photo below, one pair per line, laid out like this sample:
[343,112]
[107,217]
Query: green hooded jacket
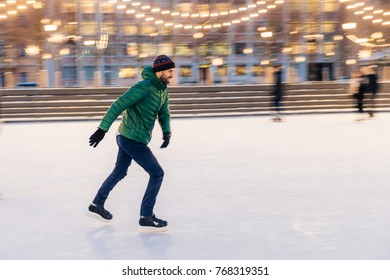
[142,104]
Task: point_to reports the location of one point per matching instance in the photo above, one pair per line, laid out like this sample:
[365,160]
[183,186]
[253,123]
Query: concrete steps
[185,101]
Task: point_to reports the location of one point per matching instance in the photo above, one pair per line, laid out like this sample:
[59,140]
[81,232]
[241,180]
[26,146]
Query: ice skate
[276,117]
[99,213]
[152,224]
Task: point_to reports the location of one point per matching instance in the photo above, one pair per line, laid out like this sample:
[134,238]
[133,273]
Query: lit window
[257,70]
[331,6]
[185,71]
[222,71]
[165,48]
[107,8]
[328,27]
[132,49]
[222,49]
[127,72]
[87,7]
[240,70]
[329,48]
[67,7]
[129,30]
[146,50]
[147,29]
[108,27]
[183,49]
[88,28]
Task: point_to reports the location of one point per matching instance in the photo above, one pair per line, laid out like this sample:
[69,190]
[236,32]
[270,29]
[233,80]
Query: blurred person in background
[373,88]
[353,89]
[277,93]
[359,85]
[142,104]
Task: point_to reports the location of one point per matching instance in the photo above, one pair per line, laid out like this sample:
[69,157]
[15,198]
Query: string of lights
[9,8]
[166,17]
[203,20]
[369,12]
[364,15]
[364,42]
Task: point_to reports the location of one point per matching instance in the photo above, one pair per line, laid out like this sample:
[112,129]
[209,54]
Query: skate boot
[98,212]
[276,117]
[152,224]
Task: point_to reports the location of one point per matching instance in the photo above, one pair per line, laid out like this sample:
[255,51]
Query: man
[373,88]
[356,92]
[142,104]
[361,96]
[277,93]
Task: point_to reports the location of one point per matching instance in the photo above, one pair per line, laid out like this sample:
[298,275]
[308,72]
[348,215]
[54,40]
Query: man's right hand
[96,137]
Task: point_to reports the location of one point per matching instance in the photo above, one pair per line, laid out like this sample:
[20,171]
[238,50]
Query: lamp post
[51,56]
[101,45]
[34,51]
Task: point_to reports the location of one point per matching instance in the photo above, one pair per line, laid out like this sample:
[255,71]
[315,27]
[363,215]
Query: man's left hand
[166,138]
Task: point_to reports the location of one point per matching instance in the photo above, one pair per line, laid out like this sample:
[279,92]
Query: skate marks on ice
[288,210]
[121,240]
[152,246]
[98,238]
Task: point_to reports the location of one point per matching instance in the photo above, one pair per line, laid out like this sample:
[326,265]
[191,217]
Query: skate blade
[142,229]
[96,216]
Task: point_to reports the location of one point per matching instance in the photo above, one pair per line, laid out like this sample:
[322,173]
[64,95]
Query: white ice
[312,187]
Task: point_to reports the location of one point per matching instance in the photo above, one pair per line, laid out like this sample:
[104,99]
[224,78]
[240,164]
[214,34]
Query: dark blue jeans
[129,150]
[276,103]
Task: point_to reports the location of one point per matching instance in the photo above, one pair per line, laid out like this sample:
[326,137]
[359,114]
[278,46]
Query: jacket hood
[148,74]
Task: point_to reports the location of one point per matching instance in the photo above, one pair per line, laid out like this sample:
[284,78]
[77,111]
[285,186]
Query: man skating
[142,104]
[277,93]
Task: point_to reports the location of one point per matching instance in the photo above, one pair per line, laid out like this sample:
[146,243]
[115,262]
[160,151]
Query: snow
[314,187]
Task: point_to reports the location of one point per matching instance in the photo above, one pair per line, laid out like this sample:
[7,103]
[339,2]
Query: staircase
[185,101]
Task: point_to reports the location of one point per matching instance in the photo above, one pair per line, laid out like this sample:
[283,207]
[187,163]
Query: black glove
[166,138]
[96,137]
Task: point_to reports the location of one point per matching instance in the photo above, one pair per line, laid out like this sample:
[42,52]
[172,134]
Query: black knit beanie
[163,62]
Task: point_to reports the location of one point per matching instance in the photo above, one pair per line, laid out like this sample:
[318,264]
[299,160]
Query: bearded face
[166,76]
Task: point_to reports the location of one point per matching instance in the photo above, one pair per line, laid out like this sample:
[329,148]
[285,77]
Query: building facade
[108,42]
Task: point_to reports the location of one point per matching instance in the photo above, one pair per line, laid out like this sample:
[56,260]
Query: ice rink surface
[314,187]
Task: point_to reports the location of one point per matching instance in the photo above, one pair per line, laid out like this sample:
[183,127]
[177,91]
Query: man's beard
[164,79]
